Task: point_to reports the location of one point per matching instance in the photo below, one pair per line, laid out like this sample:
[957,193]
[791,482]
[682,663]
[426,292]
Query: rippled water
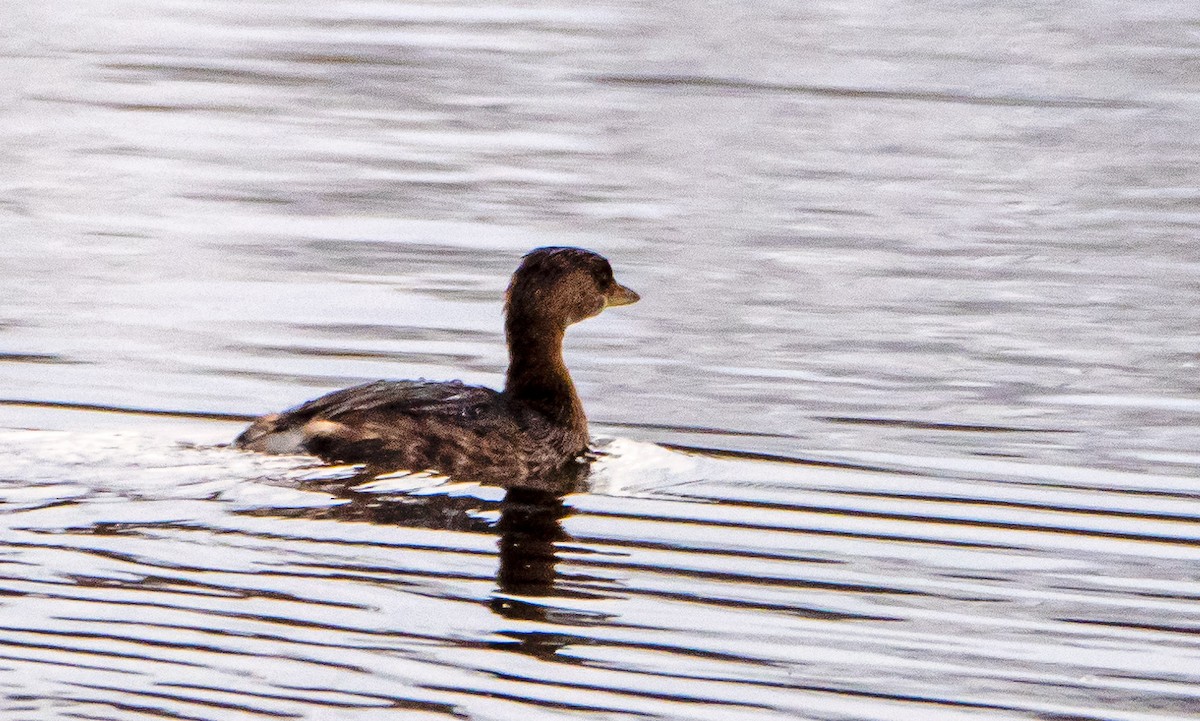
[905,425]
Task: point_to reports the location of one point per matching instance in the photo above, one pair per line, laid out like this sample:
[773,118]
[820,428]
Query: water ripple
[362,601]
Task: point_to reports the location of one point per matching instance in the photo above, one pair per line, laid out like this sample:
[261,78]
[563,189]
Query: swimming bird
[531,431]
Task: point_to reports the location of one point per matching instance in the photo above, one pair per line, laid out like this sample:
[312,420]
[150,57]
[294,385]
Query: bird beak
[620,295]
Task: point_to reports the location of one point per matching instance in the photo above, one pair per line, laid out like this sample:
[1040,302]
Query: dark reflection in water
[529,528]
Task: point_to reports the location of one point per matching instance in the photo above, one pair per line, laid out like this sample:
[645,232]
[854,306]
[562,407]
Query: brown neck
[537,375]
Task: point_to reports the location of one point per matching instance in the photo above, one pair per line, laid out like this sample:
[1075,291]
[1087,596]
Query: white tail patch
[284,443]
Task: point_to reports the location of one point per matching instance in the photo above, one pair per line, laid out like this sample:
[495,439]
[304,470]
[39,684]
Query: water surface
[905,424]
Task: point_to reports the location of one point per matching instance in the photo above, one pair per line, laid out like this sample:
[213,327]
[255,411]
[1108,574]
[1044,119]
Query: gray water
[905,425]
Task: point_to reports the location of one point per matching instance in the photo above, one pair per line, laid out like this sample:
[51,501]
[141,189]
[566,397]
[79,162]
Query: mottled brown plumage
[526,436]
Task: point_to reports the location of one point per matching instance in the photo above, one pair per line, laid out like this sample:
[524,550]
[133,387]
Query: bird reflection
[529,528]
